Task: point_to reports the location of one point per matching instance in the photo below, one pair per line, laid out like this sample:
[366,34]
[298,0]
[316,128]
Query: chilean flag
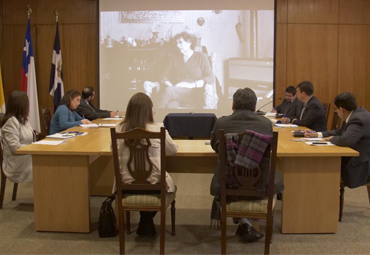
[28,81]
[56,88]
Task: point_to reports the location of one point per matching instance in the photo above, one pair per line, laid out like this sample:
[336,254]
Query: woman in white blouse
[16,132]
[139,113]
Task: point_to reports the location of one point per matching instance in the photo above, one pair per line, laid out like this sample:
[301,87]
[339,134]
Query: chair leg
[173,217]
[15,190]
[3,182]
[128,223]
[341,202]
[268,238]
[121,232]
[223,232]
[368,192]
[163,231]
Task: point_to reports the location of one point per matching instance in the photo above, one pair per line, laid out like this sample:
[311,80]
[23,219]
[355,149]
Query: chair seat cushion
[250,206]
[147,199]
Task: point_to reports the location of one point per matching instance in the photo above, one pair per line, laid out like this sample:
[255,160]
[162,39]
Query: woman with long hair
[16,132]
[66,116]
[183,80]
[139,113]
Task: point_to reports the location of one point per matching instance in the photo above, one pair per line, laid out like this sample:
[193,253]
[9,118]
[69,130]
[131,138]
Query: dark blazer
[354,134]
[292,110]
[91,112]
[237,123]
[313,116]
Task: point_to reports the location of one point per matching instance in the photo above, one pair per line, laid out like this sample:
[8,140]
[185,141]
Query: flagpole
[29,11]
[56,15]
[28,78]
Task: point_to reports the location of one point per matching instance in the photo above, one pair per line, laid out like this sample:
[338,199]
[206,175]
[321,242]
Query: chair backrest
[1,146]
[139,164]
[248,178]
[46,116]
[327,110]
[335,124]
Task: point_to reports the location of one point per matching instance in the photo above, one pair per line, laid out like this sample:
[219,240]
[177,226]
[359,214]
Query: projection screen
[188,56]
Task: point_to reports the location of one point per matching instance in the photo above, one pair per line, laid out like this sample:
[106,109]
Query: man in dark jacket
[89,111]
[313,112]
[243,117]
[291,106]
[354,133]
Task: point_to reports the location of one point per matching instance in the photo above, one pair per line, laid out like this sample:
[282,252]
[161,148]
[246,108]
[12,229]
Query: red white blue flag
[28,80]
[56,88]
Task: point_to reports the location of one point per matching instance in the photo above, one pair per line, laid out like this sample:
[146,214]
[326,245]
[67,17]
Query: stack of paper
[61,136]
[106,125]
[93,125]
[48,142]
[286,125]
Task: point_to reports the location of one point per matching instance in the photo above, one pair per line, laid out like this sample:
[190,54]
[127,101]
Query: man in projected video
[185,77]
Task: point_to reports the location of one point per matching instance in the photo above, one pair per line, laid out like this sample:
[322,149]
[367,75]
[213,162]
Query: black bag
[107,225]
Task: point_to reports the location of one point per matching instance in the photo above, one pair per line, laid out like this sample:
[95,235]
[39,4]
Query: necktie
[91,107]
[304,108]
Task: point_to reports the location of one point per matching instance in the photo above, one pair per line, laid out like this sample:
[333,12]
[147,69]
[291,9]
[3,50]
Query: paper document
[106,125]
[286,125]
[306,139]
[116,118]
[61,136]
[47,142]
[270,114]
[89,125]
[327,144]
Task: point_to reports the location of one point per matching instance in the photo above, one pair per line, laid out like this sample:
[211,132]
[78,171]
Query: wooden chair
[3,182]
[137,140]
[327,110]
[247,178]
[341,198]
[46,116]
[336,122]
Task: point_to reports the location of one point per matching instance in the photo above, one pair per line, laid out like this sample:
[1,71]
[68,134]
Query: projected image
[186,59]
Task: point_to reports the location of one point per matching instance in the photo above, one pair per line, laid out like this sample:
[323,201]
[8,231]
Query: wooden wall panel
[354,62]
[15,11]
[93,11]
[354,11]
[44,47]
[282,11]
[280,62]
[312,56]
[313,11]
[70,11]
[92,61]
[12,57]
[76,69]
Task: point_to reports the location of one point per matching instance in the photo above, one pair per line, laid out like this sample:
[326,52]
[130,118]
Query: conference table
[66,175]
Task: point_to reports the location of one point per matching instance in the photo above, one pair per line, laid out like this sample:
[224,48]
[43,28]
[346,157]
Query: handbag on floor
[107,226]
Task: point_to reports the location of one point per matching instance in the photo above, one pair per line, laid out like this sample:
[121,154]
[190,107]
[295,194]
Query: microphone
[258,112]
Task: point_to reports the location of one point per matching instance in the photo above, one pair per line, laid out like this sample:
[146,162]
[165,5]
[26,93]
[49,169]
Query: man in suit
[291,106]
[243,117]
[354,133]
[86,108]
[313,112]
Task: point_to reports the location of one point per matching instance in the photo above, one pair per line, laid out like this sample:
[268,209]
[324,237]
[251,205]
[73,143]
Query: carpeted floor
[17,235]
